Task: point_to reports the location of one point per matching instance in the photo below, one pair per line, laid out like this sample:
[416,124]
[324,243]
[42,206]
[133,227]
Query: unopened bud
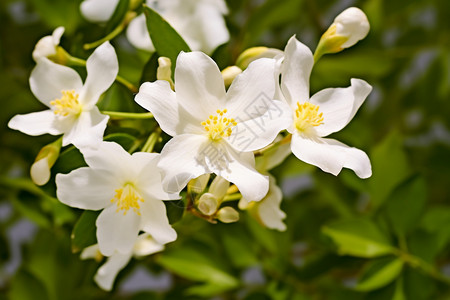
[46,158]
[228,214]
[230,73]
[164,71]
[207,204]
[348,28]
[255,53]
[198,185]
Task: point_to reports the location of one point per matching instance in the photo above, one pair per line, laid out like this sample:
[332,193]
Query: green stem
[128,17]
[127,115]
[417,262]
[151,141]
[127,84]
[275,145]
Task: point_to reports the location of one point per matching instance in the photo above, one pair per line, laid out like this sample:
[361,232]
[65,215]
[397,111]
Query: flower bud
[227,214]
[198,185]
[252,54]
[46,158]
[230,73]
[208,204]
[348,28]
[164,71]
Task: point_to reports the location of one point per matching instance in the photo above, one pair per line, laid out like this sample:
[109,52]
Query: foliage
[387,237]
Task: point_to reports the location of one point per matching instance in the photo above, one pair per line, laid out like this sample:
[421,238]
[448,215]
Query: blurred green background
[341,230]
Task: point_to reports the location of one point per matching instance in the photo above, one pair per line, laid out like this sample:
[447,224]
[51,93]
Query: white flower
[127,188]
[213,130]
[107,273]
[72,105]
[352,23]
[199,22]
[98,11]
[325,112]
[267,211]
[46,46]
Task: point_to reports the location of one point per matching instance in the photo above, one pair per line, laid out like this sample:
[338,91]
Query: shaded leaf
[358,237]
[390,167]
[380,273]
[84,232]
[405,205]
[166,40]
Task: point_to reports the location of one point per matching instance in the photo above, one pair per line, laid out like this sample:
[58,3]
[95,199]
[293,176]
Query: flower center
[126,198]
[219,126]
[307,115]
[67,105]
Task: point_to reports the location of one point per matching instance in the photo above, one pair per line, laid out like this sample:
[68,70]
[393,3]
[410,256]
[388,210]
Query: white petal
[238,168]
[269,210]
[107,273]
[49,79]
[219,187]
[137,34]
[36,123]
[257,133]
[252,91]
[158,98]
[57,34]
[199,84]
[116,231]
[155,222]
[88,130]
[146,245]
[109,156]
[212,26]
[273,157]
[330,155]
[339,105]
[295,72]
[102,68]
[182,160]
[85,188]
[98,11]
[90,252]
[148,177]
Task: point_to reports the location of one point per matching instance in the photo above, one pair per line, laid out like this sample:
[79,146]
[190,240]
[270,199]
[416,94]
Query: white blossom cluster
[215,129]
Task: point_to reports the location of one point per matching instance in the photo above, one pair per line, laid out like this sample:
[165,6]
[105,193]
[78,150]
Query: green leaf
[25,286]
[390,167]
[70,159]
[379,273]
[195,265]
[166,40]
[150,69]
[335,70]
[358,237]
[84,232]
[405,205]
[239,246]
[175,210]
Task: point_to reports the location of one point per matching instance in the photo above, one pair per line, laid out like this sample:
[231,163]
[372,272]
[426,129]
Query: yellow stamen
[67,105]
[220,126]
[307,115]
[126,198]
